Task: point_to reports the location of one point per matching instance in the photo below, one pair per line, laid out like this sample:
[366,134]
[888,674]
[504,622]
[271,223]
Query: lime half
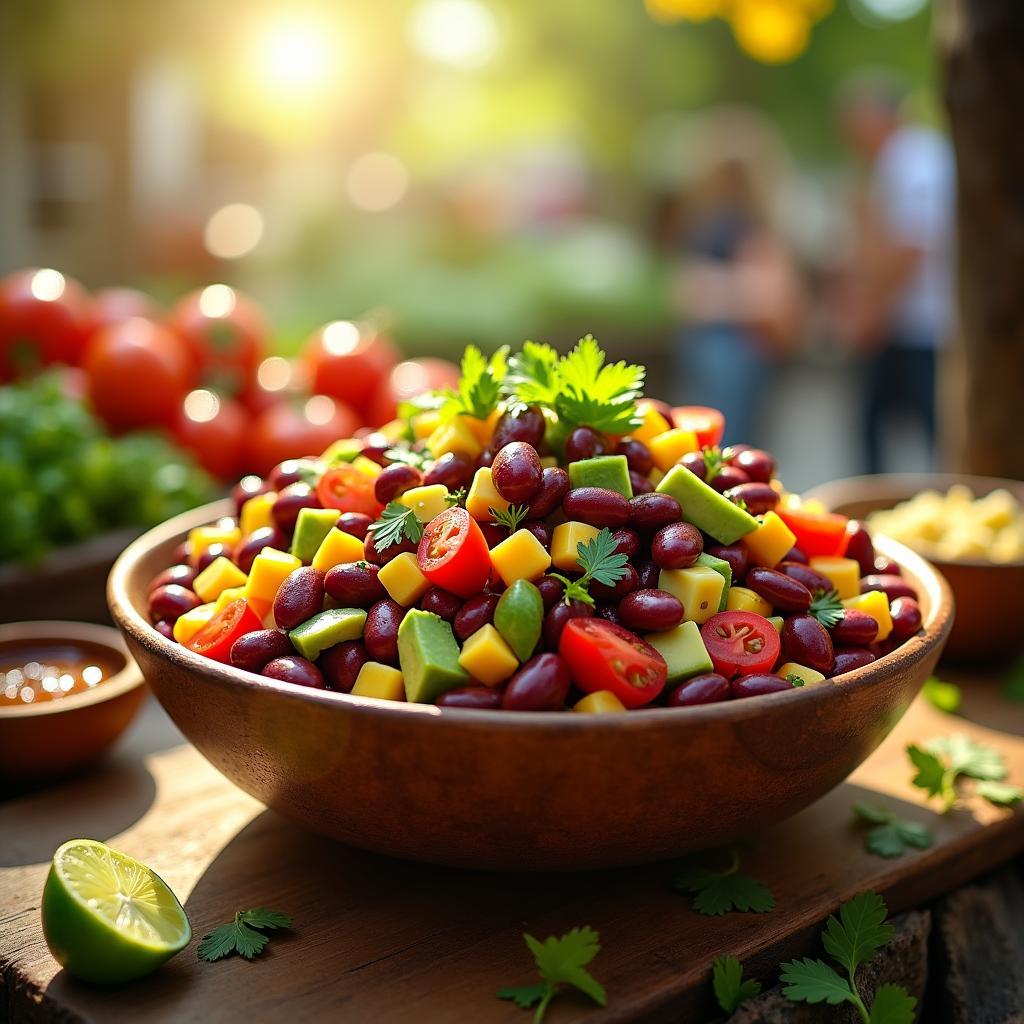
[108,918]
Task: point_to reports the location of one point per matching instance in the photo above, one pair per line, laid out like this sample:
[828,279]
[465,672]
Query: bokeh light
[295,56]
[461,33]
[320,410]
[233,231]
[47,285]
[217,300]
[201,405]
[771,31]
[275,373]
[341,337]
[888,10]
[376,182]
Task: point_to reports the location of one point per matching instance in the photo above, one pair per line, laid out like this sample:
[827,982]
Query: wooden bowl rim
[134,624]
[60,632]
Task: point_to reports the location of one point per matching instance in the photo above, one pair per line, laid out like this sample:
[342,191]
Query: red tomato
[348,361]
[741,643]
[407,380]
[215,429]
[226,333]
[138,373]
[45,318]
[818,534]
[604,656]
[707,423]
[294,428]
[453,553]
[348,490]
[115,305]
[276,379]
[215,639]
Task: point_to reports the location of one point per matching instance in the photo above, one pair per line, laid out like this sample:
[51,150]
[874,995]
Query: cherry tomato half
[818,534]
[707,423]
[741,643]
[453,553]
[215,639]
[603,656]
[348,490]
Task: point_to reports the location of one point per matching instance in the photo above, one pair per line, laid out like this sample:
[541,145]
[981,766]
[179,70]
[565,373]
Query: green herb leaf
[813,981]
[397,523]
[730,988]
[872,814]
[718,892]
[453,498]
[600,561]
[525,996]
[892,1005]
[531,377]
[713,463]
[859,932]
[942,695]
[931,773]
[826,607]
[794,680]
[510,517]
[1001,794]
[480,383]
[892,835]
[408,457]
[969,757]
[240,935]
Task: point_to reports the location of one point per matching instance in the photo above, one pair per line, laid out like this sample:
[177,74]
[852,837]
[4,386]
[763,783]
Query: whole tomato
[276,379]
[297,427]
[115,305]
[348,361]
[215,428]
[45,318]
[407,380]
[137,374]
[226,334]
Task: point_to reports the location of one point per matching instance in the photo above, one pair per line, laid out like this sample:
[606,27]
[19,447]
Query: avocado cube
[429,656]
[311,527]
[721,566]
[325,629]
[703,506]
[683,650]
[608,471]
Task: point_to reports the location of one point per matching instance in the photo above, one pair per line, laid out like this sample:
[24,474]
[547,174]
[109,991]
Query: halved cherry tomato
[214,640]
[818,534]
[603,656]
[707,423]
[453,553]
[348,490]
[741,643]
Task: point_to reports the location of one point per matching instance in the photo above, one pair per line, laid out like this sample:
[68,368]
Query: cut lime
[108,918]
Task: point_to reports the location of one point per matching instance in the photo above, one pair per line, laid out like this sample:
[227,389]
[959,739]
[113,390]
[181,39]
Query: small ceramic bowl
[989,595]
[40,741]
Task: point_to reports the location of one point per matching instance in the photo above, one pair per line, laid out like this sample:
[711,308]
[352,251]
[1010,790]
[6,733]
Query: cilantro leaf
[872,814]
[968,757]
[892,1005]
[597,395]
[941,761]
[730,988]
[510,517]
[931,773]
[408,456]
[240,935]
[718,892]
[859,932]
[525,996]
[480,383]
[713,463]
[827,608]
[397,523]
[260,917]
[453,498]
[942,695]
[599,561]
[813,981]
[892,835]
[531,377]
[1000,793]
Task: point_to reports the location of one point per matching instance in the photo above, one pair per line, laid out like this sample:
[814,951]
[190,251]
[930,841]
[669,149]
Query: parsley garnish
[453,498]
[510,517]
[713,463]
[408,456]
[599,561]
[240,935]
[890,835]
[717,892]
[560,962]
[480,384]
[397,522]
[794,680]
[941,761]
[730,988]
[854,938]
[826,607]
[942,695]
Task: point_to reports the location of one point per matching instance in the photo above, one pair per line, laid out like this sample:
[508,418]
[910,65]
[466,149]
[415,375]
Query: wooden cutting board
[382,940]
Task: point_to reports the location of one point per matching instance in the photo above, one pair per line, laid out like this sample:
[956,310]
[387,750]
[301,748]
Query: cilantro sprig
[942,695]
[717,892]
[599,561]
[561,962]
[826,607]
[942,761]
[731,989]
[242,935]
[713,462]
[479,388]
[512,517]
[891,836]
[397,523]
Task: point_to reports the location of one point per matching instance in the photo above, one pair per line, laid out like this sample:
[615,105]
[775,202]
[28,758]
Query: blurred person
[896,305]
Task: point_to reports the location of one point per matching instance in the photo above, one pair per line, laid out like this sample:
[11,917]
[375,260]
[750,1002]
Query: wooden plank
[382,940]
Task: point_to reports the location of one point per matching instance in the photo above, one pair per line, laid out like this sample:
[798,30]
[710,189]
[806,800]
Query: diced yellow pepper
[668,448]
[366,466]
[601,702]
[220,574]
[186,626]
[402,579]
[380,681]
[487,658]
[698,588]
[425,423]
[843,572]
[426,502]
[653,423]
[483,429]
[483,496]
[741,599]
[345,449]
[565,541]
[269,570]
[202,537]
[337,547]
[770,542]
[454,436]
[256,513]
[227,596]
[808,676]
[875,604]
[520,557]
[777,621]
[393,430]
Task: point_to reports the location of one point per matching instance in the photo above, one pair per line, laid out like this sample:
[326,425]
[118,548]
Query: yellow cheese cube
[269,570]
[699,588]
[806,676]
[520,557]
[454,436]
[487,658]
[380,681]
[601,702]
[770,542]
[777,621]
[483,429]
[875,604]
[565,542]
[668,448]
[187,625]
[483,496]
[425,423]
[426,502]
[227,596]
[202,537]
[336,548]
[220,574]
[402,579]
[256,513]
[843,572]
[741,599]
[366,466]
[653,423]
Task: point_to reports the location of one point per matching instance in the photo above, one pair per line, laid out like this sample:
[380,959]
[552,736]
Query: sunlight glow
[377,181]
[217,300]
[233,231]
[461,33]
[201,405]
[341,337]
[890,10]
[47,285]
[296,56]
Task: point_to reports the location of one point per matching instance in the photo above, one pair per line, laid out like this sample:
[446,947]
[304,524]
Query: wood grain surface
[382,940]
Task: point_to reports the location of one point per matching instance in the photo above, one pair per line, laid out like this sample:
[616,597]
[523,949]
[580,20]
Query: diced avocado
[721,566]
[325,629]
[519,616]
[429,656]
[609,471]
[344,450]
[703,506]
[683,650]
[311,527]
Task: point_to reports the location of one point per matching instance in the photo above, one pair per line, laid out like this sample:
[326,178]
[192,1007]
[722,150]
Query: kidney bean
[551,590]
[211,554]
[806,641]
[542,684]
[453,469]
[371,554]
[727,478]
[735,554]
[731,451]
[286,473]
[247,550]
[494,533]
[810,578]
[610,613]
[758,684]
[486,458]
[299,597]
[694,462]
[246,488]
[650,611]
[779,590]
[476,613]
[709,688]
[554,486]
[293,669]
[516,472]
[653,511]
[375,444]
[164,628]
[355,524]
[854,629]
[395,481]
[441,602]
[254,650]
[627,542]
[483,698]
[286,508]
[757,464]
[584,443]
[341,663]
[906,618]
[353,585]
[617,590]
[640,484]
[596,506]
[759,498]
[849,658]
[794,554]
[860,547]
[556,618]
[171,601]
[638,455]
[887,566]
[648,574]
[528,426]
[539,529]
[677,546]
[891,586]
[380,634]
[183,575]
[182,553]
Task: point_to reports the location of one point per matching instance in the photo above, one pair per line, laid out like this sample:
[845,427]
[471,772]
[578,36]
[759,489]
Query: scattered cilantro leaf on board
[718,892]
[890,835]
[241,935]
[731,989]
[397,523]
[941,761]
[1000,793]
[942,695]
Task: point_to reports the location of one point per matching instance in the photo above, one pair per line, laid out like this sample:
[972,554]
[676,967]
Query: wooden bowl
[523,791]
[989,595]
[46,740]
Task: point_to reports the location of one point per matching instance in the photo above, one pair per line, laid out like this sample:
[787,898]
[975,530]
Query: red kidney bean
[542,684]
[694,462]
[638,455]
[539,529]
[794,554]
[528,426]
[779,590]
[556,618]
[650,611]
[758,684]
[906,618]
[619,589]
[453,469]
[371,554]
[164,628]
[653,511]
[246,488]
[887,566]
[476,613]
[584,443]
[735,554]
[170,602]
[677,546]
[183,575]
[483,698]
[211,554]
[288,472]
[254,650]
[810,578]
[265,537]
[727,478]
[293,669]
[759,498]
[610,613]
[375,444]
[183,553]
[757,464]
[640,484]
[854,629]
[355,524]
[494,533]
[891,586]
[286,508]
[551,590]
[554,486]
[380,634]
[731,451]
[849,658]
[596,506]
[299,597]
[353,585]
[806,641]
[627,542]
[648,574]
[516,472]
[486,458]
[341,664]
[441,602]
[394,481]
[859,547]
[706,689]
